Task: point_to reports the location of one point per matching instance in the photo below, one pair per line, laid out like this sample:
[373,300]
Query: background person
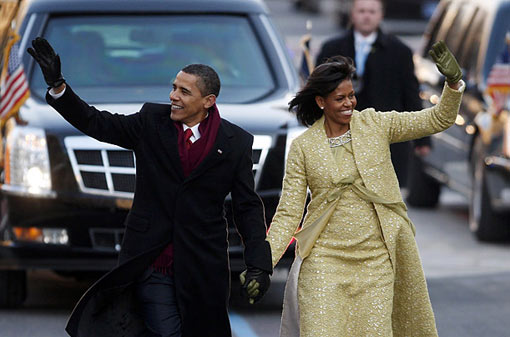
[385,78]
[357,270]
[173,274]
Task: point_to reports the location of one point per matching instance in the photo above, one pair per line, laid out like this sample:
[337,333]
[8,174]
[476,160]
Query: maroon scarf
[190,159]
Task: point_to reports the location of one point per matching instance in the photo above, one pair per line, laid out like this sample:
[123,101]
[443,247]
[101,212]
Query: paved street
[469,286]
[469,281]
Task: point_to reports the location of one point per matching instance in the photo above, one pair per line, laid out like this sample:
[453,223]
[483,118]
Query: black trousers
[158,303]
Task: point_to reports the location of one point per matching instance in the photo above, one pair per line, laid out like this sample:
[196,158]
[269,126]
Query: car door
[460,26]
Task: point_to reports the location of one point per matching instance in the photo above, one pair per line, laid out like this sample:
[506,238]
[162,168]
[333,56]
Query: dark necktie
[187,138]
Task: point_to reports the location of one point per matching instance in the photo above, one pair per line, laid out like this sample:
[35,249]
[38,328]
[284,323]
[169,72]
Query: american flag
[14,87]
[306,66]
[498,81]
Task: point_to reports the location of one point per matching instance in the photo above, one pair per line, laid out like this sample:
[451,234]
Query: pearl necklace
[340,140]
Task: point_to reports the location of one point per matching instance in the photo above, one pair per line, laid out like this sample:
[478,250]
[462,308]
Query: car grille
[101,168]
[105,169]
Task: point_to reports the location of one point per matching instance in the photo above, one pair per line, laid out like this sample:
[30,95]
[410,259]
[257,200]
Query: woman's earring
[322,108]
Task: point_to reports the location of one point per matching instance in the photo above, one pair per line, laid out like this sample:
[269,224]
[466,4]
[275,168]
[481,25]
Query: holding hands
[45,56]
[446,62]
[254,283]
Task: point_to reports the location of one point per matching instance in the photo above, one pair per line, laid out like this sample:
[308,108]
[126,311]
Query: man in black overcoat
[173,275]
[385,77]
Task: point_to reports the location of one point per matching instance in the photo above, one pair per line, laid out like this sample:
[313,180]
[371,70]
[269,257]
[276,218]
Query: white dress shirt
[194,129]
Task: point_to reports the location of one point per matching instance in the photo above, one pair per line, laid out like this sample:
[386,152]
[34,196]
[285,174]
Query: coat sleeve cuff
[55,95]
[259,256]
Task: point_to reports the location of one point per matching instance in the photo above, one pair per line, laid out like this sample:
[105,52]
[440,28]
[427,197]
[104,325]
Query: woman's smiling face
[339,104]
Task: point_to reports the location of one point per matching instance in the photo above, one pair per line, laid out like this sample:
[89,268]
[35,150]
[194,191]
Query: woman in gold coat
[357,270]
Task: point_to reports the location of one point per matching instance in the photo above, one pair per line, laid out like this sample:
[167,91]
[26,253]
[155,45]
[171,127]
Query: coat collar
[320,139]
[168,136]
[381,41]
[220,149]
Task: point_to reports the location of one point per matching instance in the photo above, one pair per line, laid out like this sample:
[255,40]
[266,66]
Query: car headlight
[27,163]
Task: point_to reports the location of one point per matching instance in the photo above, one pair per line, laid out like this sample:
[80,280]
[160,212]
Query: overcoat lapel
[168,136]
[350,50]
[220,150]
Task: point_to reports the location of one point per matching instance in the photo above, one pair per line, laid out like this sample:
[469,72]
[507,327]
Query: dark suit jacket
[169,207]
[388,83]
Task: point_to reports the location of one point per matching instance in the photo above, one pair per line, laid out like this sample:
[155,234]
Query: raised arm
[104,126]
[411,125]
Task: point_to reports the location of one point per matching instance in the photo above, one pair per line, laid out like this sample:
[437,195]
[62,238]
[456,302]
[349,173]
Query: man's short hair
[383,3]
[208,80]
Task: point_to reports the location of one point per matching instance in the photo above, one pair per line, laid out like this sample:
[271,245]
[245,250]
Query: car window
[468,54]
[133,58]
[436,23]
[457,33]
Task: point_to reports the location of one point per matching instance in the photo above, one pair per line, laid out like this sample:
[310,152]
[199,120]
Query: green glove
[254,283]
[251,288]
[446,62]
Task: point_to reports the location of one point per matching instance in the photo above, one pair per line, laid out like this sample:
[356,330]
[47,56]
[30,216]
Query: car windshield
[111,59]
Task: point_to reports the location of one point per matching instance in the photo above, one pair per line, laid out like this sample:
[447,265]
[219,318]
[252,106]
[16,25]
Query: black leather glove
[254,283]
[49,62]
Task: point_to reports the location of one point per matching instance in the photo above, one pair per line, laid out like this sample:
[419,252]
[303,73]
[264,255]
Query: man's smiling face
[188,104]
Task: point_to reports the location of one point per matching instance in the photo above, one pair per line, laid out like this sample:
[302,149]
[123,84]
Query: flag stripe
[19,99]
[16,106]
[14,90]
[11,78]
[20,88]
[13,85]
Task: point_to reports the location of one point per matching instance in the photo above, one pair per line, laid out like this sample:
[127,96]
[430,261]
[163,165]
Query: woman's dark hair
[323,80]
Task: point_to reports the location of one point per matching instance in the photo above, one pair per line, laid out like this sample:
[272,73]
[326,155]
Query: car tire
[485,223]
[423,190]
[13,288]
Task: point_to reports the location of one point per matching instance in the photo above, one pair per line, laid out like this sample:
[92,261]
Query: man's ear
[209,101]
[320,101]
